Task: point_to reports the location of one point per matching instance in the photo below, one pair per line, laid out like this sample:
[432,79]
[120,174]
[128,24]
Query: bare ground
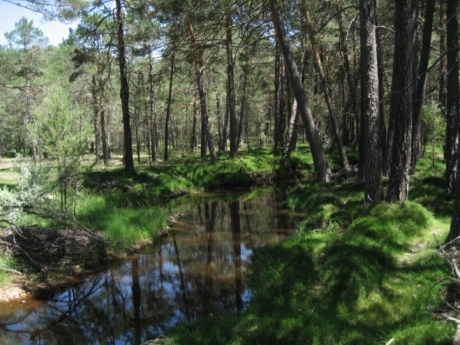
[52,257]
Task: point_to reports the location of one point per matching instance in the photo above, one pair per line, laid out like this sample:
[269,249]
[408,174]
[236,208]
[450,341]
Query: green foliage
[62,131]
[30,191]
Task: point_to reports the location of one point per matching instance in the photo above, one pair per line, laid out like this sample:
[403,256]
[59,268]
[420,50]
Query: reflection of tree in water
[199,270]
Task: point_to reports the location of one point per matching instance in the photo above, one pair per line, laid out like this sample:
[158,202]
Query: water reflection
[200,269]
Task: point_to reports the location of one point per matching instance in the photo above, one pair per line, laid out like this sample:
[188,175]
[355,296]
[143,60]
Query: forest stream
[201,268]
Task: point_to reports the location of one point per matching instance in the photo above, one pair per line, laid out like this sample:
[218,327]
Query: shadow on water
[200,269]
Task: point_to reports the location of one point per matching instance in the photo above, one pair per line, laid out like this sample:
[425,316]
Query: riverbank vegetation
[353,273]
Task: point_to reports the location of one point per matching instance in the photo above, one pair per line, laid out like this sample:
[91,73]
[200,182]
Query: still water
[200,269]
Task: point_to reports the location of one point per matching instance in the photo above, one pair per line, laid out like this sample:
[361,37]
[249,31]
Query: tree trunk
[231,99]
[452,110]
[104,137]
[205,128]
[193,140]
[454,232]
[319,157]
[327,94]
[220,125]
[420,85]
[291,136]
[101,111]
[401,101]
[442,56]
[347,68]
[97,138]
[370,97]
[280,92]
[168,109]
[153,120]
[243,103]
[124,92]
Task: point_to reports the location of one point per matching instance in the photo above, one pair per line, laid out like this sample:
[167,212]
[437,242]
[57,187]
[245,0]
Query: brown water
[200,269]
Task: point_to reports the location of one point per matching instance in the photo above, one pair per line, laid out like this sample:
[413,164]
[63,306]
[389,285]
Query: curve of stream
[200,269]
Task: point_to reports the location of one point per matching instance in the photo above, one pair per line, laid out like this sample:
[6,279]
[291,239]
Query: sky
[10,14]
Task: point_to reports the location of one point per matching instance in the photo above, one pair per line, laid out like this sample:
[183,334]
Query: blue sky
[10,14]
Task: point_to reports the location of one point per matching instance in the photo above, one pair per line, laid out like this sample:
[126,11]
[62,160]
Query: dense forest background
[375,82]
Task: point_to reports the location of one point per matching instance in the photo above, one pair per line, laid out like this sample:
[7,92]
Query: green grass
[122,225]
[6,262]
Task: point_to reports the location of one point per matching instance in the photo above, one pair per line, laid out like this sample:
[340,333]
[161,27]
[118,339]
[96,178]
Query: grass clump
[122,226]
[7,265]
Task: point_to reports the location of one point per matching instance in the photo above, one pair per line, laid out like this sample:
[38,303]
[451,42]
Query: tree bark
[319,157]
[452,110]
[454,232]
[442,54]
[124,92]
[373,190]
[401,101]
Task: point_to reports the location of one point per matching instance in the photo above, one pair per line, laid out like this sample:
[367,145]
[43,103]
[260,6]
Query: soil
[52,257]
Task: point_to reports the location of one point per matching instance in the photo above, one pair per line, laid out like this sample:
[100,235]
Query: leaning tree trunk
[373,186]
[319,157]
[205,128]
[124,92]
[327,94]
[401,101]
[291,135]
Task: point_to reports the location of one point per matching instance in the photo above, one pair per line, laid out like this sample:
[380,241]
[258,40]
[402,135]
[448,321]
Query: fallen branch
[7,269]
[457,331]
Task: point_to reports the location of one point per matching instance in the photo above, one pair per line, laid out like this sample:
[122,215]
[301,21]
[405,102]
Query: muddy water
[200,269]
